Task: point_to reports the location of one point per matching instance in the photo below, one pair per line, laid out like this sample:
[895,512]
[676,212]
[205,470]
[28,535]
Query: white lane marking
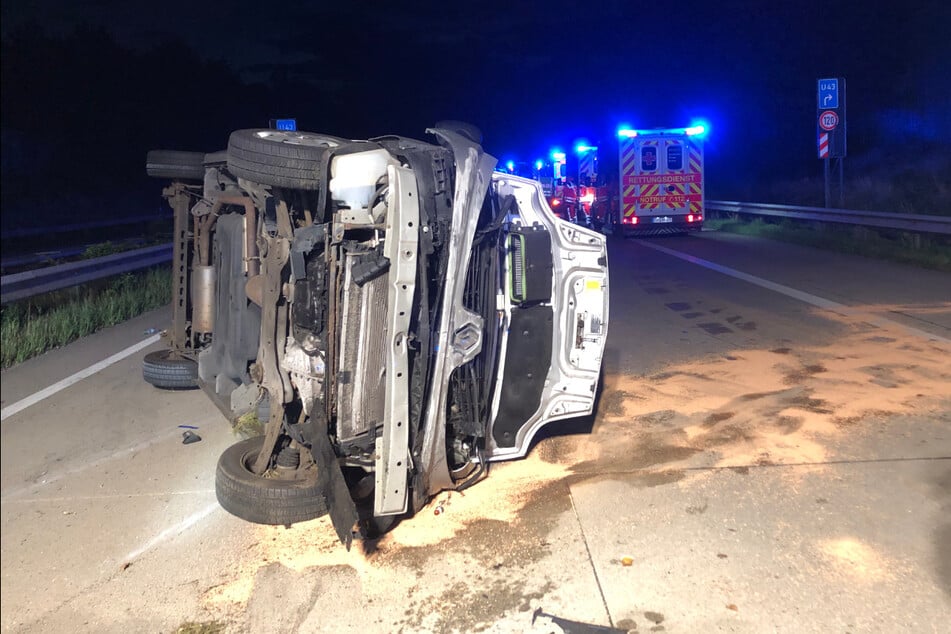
[802,296]
[50,479]
[172,531]
[33,399]
[110,496]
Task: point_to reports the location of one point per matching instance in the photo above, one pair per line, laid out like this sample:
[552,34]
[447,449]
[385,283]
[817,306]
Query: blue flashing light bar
[510,165]
[558,156]
[697,129]
[539,164]
[581,149]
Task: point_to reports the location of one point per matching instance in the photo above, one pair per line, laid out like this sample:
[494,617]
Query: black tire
[168,371]
[175,165]
[281,158]
[263,500]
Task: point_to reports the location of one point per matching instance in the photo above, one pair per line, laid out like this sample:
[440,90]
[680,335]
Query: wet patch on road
[795,376]
[663,376]
[885,376]
[678,306]
[612,402]
[714,328]
[718,417]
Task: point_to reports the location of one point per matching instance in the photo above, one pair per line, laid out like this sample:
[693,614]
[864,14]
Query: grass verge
[34,326]
[895,246]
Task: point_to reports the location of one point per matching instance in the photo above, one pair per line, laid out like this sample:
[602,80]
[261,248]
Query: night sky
[88,88]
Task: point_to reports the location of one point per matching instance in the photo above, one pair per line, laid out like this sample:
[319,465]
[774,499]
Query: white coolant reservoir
[353,177]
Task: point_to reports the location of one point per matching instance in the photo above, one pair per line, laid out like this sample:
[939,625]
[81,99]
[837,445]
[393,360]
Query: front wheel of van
[268,498]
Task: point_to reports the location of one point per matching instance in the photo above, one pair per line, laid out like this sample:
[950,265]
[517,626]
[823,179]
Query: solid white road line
[172,531]
[33,399]
[802,296]
[47,479]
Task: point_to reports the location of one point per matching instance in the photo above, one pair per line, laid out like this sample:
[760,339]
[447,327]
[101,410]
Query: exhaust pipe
[203,298]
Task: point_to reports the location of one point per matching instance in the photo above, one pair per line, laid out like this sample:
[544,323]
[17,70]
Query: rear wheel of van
[167,370]
[281,158]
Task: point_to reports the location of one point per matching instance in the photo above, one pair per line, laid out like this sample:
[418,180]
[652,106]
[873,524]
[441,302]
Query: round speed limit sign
[828,120]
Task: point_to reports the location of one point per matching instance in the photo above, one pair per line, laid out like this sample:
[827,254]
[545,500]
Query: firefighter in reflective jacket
[605,204]
[565,201]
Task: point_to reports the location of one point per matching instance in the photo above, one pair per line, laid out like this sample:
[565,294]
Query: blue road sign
[828,95]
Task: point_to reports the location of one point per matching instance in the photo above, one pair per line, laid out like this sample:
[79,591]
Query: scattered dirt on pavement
[752,407]
[777,406]
[494,532]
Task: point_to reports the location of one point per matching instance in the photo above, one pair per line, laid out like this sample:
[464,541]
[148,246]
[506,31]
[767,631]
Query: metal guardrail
[902,222]
[59,228]
[30,283]
[53,278]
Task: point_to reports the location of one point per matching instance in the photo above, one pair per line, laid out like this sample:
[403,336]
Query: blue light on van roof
[581,149]
[627,133]
[557,155]
[539,164]
[698,128]
[510,165]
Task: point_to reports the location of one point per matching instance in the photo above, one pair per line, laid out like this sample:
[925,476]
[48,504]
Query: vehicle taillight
[630,220]
[689,217]
[555,202]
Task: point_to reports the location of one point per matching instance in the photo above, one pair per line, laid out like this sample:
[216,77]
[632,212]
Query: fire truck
[658,186]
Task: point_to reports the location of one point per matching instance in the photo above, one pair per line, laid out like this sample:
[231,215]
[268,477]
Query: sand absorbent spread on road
[750,408]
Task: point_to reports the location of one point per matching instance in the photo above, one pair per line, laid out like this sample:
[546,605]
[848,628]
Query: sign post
[831,130]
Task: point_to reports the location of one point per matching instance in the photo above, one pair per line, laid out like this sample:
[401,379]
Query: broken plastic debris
[150,331]
[187,427]
[439,510]
[627,561]
[573,627]
[189,437]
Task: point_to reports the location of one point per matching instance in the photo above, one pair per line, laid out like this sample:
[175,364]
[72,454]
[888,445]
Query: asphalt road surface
[771,452]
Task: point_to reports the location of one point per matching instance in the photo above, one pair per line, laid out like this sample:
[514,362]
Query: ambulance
[660,183]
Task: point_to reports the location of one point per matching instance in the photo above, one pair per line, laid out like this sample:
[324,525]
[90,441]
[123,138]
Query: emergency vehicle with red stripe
[659,185]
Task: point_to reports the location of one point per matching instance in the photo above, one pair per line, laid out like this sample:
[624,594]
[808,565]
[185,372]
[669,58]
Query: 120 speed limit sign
[828,120]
